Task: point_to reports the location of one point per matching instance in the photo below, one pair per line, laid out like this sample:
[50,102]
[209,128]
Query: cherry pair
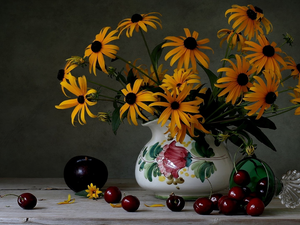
[113,195]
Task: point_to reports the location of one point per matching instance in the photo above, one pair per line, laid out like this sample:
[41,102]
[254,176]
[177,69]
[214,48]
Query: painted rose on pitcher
[172,159]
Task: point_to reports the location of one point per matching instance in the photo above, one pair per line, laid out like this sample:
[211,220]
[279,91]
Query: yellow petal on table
[155,205]
[69,201]
[118,205]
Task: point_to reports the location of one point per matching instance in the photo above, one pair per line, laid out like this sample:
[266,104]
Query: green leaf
[82,193]
[145,151]
[131,78]
[203,169]
[121,77]
[188,160]
[116,121]
[202,149]
[156,171]
[263,122]
[256,132]
[149,168]
[153,152]
[212,78]
[156,53]
[142,166]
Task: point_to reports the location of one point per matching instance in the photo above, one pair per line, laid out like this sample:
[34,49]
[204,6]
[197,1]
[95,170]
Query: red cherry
[203,206]
[27,201]
[215,199]
[221,200]
[262,187]
[246,200]
[130,203]
[241,177]
[236,193]
[175,203]
[255,207]
[112,195]
[228,206]
[247,191]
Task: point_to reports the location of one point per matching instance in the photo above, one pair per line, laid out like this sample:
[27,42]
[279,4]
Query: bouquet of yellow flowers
[239,101]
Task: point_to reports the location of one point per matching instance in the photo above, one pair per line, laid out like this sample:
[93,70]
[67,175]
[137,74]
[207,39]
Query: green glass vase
[263,182]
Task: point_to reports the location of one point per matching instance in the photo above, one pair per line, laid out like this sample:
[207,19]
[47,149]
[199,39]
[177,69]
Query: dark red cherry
[247,191]
[27,201]
[262,187]
[112,195]
[253,194]
[130,203]
[255,207]
[241,177]
[246,200]
[221,200]
[214,199]
[175,202]
[203,206]
[228,206]
[236,193]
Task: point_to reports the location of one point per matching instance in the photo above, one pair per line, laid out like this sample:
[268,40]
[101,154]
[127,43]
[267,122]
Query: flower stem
[101,85]
[283,110]
[133,66]
[154,67]
[216,111]
[107,98]
[288,77]
[228,50]
[288,89]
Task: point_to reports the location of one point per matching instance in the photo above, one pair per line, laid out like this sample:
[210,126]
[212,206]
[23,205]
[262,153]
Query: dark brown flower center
[270,98]
[190,43]
[130,98]
[96,46]
[61,74]
[136,18]
[80,99]
[298,67]
[175,105]
[242,79]
[251,14]
[178,85]
[268,51]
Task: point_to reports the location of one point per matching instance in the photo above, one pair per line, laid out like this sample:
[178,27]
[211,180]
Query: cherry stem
[19,196]
[211,188]
[234,164]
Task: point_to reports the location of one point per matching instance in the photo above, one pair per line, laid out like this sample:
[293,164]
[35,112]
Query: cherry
[246,190]
[262,187]
[130,203]
[228,206]
[253,194]
[236,193]
[255,207]
[112,195]
[203,206]
[246,200]
[214,199]
[27,201]
[221,200]
[175,203]
[241,177]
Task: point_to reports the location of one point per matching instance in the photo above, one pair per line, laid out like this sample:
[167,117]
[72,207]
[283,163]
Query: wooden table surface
[87,211]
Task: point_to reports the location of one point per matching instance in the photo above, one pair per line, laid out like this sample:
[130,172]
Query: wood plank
[87,211]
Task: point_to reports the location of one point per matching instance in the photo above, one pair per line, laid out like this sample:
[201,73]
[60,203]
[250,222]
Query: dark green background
[37,36]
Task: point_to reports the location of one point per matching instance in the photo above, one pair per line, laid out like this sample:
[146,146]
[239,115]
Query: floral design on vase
[168,161]
[172,159]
